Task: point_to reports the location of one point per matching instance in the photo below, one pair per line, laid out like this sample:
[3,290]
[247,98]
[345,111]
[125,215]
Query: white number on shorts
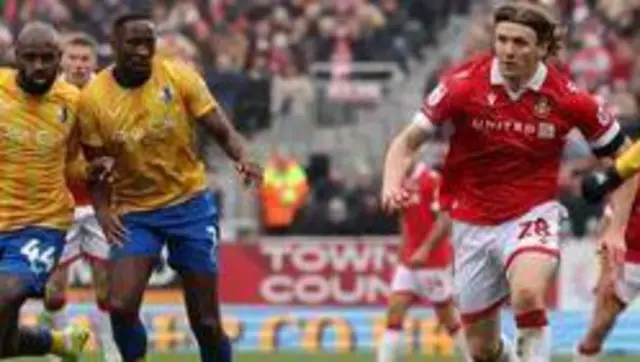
[213,233]
[40,260]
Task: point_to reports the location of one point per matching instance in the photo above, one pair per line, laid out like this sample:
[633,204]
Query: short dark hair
[122,19]
[81,39]
[536,17]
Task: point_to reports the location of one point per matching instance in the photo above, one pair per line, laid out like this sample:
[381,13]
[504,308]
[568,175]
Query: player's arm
[439,107]
[219,126]
[100,168]
[607,141]
[626,165]
[441,228]
[402,151]
[203,107]
[74,170]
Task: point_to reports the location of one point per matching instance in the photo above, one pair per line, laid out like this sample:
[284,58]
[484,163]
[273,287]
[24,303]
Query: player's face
[136,47]
[517,49]
[38,65]
[78,64]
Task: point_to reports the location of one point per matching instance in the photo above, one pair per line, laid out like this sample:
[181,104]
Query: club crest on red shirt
[542,109]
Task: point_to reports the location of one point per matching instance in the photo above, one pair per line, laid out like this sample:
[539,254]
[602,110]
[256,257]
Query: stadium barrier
[316,294]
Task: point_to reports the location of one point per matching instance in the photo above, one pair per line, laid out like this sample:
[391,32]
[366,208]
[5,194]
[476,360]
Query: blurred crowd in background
[262,60]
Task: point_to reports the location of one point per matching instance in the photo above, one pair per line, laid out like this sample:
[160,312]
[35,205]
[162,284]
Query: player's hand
[394,199]
[250,172]
[419,256]
[112,226]
[597,185]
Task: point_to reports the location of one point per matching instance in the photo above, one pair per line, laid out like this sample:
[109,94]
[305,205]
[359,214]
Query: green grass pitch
[298,357]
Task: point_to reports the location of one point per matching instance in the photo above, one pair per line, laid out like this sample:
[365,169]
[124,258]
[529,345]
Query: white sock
[390,346]
[534,344]
[108,347]
[462,349]
[508,352]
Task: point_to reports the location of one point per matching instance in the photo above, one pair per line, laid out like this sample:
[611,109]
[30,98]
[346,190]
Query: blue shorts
[189,229]
[31,253]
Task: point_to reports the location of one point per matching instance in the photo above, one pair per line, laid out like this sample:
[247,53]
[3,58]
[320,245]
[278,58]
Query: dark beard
[33,88]
[128,79]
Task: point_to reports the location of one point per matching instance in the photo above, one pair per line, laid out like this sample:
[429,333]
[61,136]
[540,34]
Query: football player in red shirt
[424,270]
[511,114]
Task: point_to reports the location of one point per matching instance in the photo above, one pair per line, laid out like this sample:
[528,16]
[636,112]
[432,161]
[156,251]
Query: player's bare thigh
[530,275]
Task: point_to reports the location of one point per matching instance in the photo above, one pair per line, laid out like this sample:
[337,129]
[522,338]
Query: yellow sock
[58,345]
[629,161]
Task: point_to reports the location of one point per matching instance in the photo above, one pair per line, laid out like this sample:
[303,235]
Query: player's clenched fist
[394,199]
[250,172]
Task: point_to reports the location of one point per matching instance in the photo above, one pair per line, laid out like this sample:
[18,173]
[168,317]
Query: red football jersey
[418,218]
[506,150]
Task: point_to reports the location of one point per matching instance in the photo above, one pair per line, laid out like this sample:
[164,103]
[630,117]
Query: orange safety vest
[282,193]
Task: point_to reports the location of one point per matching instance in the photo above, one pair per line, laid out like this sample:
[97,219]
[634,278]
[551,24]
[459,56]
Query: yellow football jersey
[35,138]
[150,132]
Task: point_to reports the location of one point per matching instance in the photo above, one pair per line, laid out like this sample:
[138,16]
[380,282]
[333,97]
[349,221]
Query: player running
[425,264]
[36,209]
[142,112]
[85,238]
[511,115]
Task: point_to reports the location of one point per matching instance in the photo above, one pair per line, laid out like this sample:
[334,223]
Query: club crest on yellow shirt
[63,114]
[166,94]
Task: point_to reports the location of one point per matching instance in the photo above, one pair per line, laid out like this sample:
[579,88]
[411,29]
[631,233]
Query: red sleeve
[441,105]
[596,123]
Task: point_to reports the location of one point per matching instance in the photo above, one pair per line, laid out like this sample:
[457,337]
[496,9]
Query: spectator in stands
[284,190]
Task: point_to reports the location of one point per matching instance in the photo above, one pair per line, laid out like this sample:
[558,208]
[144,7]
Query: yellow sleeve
[629,161]
[194,91]
[88,122]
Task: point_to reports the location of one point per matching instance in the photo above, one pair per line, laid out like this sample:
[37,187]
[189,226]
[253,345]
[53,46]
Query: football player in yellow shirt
[142,112]
[85,238]
[37,137]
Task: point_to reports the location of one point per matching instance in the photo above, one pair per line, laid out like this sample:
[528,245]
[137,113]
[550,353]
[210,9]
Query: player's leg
[448,316]
[530,276]
[437,286]
[96,252]
[403,292]
[130,267]
[609,304]
[28,257]
[530,257]
[55,297]
[193,248]
[482,289]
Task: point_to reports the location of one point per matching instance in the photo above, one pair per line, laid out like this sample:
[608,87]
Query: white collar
[535,83]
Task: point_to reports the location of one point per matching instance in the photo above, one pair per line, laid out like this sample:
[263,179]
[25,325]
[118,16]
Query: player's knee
[480,350]
[55,302]
[525,299]
[208,327]
[448,317]
[121,307]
